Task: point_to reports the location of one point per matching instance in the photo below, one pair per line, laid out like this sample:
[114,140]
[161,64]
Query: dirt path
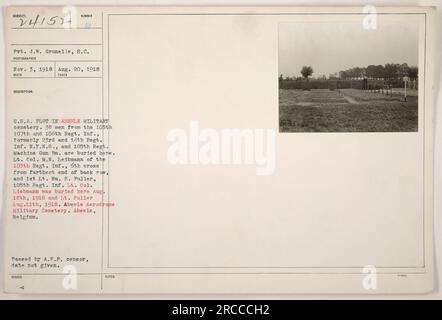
[350,99]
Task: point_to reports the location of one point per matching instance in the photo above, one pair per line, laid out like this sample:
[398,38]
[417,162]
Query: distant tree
[371,71]
[306,71]
[403,70]
[379,72]
[361,72]
[391,71]
[413,73]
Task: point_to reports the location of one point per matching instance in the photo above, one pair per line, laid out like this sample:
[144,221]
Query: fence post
[405,88]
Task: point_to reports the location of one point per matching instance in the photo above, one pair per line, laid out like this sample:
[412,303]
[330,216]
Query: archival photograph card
[233,150]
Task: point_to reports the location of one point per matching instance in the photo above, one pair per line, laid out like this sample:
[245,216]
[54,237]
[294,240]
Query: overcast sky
[333,46]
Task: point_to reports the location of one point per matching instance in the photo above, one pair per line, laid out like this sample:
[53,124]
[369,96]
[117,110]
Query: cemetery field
[346,110]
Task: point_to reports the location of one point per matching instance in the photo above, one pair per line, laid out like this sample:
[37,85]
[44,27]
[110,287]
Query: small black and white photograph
[344,77]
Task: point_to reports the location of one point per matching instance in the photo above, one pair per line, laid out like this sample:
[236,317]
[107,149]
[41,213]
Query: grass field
[347,110]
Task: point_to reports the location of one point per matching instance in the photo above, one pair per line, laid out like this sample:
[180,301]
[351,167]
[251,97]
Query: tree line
[389,71]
